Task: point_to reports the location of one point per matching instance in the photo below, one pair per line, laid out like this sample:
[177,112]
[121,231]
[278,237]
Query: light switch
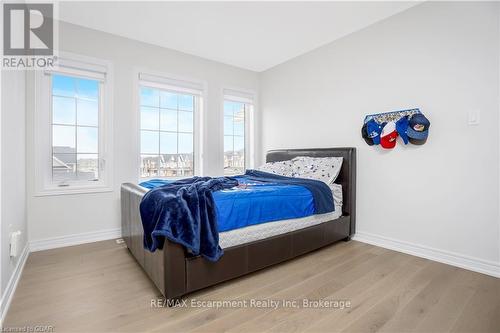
[474,117]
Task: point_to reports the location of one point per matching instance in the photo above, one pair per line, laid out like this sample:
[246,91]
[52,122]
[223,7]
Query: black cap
[364,134]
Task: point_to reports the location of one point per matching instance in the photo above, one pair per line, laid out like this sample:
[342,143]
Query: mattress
[269,229]
[260,199]
[265,230]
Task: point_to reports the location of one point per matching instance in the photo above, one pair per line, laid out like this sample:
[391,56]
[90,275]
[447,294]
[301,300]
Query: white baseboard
[473,264]
[77,239]
[12,284]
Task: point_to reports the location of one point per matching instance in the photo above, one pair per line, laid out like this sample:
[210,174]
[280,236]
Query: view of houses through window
[234,137]
[167,140]
[75,129]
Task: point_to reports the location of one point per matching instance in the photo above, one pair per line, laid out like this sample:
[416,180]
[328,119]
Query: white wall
[440,57]
[13,184]
[61,216]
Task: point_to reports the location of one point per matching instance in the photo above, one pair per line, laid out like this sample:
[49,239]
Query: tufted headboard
[346,178]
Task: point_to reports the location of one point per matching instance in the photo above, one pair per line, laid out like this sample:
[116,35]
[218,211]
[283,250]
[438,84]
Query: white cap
[388,128]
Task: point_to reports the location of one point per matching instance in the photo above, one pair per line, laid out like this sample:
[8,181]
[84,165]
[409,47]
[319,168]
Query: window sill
[76,189]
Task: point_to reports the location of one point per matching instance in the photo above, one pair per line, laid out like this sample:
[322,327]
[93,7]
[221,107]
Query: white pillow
[325,169]
[282,168]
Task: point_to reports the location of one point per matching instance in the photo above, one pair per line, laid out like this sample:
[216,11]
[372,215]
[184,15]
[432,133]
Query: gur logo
[28,29]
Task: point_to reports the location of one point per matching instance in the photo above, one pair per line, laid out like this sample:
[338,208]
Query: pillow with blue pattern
[325,169]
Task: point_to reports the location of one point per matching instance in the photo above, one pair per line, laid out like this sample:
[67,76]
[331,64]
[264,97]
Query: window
[75,129]
[237,113]
[168,119]
[72,152]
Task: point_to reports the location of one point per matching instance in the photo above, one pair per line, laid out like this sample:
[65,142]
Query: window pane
[186,102]
[239,126]
[150,142]
[228,143]
[150,97]
[185,165]
[63,110]
[185,143]
[63,139]
[228,108]
[87,140]
[170,135]
[88,112]
[63,167]
[168,165]
[239,152]
[87,167]
[149,165]
[63,86]
[168,143]
[149,118]
[88,89]
[168,100]
[228,162]
[228,125]
[168,120]
[239,110]
[185,121]
[239,143]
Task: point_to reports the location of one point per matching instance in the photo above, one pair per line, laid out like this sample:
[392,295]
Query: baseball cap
[364,134]
[373,130]
[402,127]
[389,135]
[418,129]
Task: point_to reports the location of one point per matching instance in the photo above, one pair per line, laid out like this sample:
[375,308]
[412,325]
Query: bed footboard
[165,267]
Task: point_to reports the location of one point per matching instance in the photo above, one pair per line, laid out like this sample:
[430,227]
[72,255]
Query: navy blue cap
[364,134]
[402,127]
[418,128]
[373,130]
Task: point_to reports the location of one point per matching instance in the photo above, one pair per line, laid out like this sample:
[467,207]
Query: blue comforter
[184,212]
[259,198]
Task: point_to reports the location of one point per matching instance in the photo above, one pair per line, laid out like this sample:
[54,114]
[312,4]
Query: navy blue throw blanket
[184,212]
[322,194]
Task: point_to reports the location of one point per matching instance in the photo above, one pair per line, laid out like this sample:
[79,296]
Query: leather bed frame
[177,273]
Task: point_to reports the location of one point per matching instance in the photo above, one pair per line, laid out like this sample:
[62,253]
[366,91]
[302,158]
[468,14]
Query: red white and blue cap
[389,135]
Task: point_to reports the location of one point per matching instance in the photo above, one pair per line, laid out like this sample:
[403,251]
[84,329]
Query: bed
[175,272]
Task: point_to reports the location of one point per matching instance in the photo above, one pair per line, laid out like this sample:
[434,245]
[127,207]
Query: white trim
[239,95]
[76,239]
[79,66]
[42,132]
[10,289]
[165,81]
[1,180]
[248,97]
[498,206]
[451,258]
[177,84]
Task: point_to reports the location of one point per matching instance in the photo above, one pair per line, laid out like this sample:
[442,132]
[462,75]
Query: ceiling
[250,35]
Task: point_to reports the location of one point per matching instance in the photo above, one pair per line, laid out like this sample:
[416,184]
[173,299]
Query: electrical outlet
[15,238]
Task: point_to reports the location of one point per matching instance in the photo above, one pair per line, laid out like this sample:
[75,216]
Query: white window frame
[175,84]
[248,97]
[78,66]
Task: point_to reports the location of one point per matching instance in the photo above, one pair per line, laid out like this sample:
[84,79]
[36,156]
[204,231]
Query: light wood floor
[99,287]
